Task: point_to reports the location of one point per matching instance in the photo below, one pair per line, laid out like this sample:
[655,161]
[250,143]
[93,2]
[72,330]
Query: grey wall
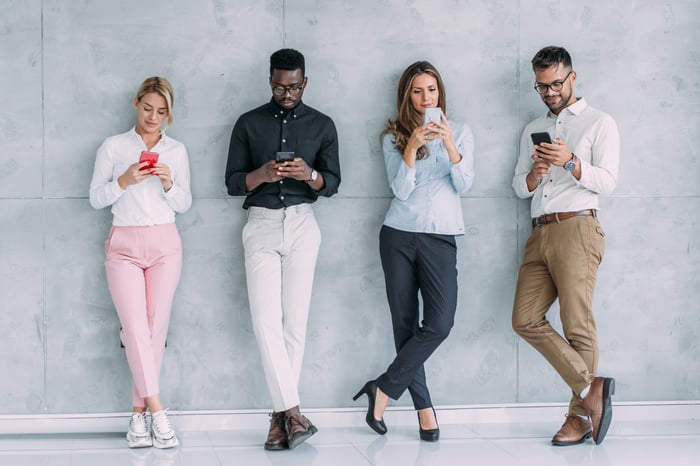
[69,70]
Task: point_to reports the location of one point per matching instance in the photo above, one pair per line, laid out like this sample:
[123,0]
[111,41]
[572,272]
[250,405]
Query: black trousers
[412,263]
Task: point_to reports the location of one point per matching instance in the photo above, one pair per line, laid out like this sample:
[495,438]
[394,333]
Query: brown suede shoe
[277,436]
[299,428]
[574,431]
[598,405]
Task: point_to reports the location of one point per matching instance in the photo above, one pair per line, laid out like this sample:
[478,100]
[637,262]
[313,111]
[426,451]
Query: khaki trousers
[561,261]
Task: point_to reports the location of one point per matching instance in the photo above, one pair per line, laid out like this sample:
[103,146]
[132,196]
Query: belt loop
[556,216]
[594,213]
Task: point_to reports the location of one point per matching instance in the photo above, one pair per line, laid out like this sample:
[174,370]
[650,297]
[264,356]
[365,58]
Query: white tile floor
[639,443]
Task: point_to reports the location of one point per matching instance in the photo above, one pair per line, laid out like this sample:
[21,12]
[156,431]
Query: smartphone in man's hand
[284,157]
[539,138]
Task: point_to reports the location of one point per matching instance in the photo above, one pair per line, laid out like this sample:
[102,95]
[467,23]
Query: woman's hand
[442,130]
[134,175]
[162,171]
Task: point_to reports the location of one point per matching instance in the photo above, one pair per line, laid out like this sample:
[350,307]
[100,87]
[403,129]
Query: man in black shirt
[281,238]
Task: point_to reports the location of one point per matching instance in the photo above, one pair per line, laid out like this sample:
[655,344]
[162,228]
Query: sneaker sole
[164,444]
[139,442]
[606,417]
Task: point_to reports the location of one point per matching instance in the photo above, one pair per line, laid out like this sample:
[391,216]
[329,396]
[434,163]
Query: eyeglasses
[294,90]
[556,86]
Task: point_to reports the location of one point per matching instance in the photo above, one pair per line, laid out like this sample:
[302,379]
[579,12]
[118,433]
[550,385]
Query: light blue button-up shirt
[427,195]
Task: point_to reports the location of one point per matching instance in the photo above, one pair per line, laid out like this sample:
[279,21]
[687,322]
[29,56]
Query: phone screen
[284,157]
[538,138]
[432,114]
[150,157]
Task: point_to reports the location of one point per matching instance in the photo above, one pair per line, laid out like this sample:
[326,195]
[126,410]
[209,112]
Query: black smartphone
[539,138]
[284,157]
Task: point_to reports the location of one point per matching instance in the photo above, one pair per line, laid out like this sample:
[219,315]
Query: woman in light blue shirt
[429,163]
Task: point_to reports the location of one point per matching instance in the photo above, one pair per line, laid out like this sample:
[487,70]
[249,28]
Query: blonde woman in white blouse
[143,249]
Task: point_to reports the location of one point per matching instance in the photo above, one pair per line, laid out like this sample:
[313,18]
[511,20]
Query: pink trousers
[143,268]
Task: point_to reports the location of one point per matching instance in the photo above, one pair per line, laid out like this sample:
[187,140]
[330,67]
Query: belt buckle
[537,221]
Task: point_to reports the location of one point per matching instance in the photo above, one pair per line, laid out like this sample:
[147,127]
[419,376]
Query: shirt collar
[576,108]
[278,111]
[164,139]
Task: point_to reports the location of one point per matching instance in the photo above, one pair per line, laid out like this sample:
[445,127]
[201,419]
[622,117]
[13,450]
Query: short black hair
[287,59]
[550,56]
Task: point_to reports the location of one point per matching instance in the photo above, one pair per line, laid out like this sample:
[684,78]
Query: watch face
[570,165]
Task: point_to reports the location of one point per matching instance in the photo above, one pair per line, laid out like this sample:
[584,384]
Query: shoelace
[161,423]
[138,423]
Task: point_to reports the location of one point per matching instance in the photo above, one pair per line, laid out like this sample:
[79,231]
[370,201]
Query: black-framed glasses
[556,86]
[294,90]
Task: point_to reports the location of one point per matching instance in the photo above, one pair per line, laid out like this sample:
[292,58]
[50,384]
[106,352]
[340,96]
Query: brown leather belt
[559,216]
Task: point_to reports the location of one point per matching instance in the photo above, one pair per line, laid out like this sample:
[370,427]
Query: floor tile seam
[360,451]
[501,447]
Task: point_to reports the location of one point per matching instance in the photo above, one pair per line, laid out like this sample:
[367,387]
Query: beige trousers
[281,246]
[561,261]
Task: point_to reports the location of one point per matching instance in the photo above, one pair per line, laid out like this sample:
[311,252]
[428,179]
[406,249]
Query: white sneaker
[163,433]
[138,435]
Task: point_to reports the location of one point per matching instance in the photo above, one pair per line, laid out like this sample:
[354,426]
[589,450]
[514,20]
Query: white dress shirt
[427,196]
[145,203]
[590,134]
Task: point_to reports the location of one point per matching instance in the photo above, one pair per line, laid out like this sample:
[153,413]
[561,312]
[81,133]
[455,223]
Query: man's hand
[297,169]
[557,153]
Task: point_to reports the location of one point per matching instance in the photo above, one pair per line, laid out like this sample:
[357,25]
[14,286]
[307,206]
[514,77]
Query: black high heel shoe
[429,435]
[370,389]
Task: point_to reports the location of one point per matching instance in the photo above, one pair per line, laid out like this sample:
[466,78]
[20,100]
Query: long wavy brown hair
[408,117]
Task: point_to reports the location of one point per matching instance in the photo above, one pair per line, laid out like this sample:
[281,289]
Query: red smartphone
[150,157]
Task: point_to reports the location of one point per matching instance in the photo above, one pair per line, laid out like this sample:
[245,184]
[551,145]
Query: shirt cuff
[116,189]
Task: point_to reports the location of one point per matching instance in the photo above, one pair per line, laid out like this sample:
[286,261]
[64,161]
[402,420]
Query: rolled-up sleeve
[600,176]
[327,161]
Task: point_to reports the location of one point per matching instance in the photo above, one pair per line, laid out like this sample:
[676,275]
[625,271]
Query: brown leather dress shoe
[598,405]
[574,431]
[299,428]
[277,436]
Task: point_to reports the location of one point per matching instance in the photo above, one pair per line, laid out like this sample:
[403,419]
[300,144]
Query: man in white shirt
[564,179]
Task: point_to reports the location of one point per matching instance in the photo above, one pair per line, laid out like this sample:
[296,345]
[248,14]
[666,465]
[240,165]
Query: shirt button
[284,140]
[281,181]
[551,181]
[282,198]
[284,121]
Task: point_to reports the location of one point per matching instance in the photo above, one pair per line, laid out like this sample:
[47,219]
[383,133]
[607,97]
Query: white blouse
[145,203]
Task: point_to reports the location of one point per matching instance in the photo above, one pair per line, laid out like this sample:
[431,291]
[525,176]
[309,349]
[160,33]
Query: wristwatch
[314,175]
[571,164]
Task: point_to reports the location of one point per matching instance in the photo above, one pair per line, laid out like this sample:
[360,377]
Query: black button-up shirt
[260,133]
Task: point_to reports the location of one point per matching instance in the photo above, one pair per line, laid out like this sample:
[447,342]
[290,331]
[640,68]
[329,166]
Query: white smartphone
[432,114]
